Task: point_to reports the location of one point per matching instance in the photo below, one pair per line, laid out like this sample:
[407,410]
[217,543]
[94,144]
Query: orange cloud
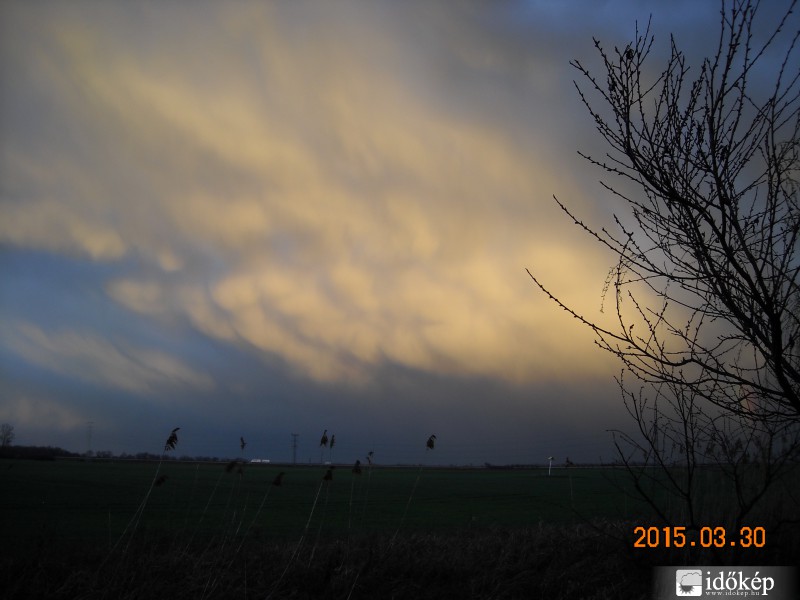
[330,204]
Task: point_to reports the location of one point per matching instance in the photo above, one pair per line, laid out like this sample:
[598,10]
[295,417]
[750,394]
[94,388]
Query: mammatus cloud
[335,206]
[337,324]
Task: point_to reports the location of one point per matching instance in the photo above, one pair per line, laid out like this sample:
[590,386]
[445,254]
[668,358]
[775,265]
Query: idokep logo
[688,582]
[775,583]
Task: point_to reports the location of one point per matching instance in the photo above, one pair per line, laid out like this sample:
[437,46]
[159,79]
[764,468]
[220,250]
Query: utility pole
[294,448]
[89,425]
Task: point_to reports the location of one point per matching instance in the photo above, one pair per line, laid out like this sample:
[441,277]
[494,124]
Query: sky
[264,218]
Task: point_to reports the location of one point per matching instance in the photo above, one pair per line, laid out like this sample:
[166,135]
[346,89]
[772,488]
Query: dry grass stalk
[370,456]
[429,446]
[133,524]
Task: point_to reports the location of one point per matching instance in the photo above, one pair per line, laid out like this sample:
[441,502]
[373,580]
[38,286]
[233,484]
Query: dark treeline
[36,452]
[54,452]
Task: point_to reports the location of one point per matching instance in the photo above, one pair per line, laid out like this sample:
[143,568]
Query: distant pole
[294,448]
[89,425]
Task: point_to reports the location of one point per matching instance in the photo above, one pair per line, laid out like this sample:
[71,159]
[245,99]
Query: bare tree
[705,285]
[6,435]
[695,466]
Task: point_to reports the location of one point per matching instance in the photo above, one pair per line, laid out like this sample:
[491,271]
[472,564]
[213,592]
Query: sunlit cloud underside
[334,206]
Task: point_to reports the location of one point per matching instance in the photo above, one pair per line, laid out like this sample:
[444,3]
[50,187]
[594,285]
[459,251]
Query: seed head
[172,440]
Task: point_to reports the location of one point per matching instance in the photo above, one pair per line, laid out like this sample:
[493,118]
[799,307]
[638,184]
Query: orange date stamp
[709,537]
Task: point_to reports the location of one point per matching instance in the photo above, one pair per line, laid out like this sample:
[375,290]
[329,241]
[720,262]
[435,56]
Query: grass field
[93,501]
[204,532]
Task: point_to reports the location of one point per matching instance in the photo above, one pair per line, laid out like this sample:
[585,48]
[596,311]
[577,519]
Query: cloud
[335,206]
[293,216]
[28,412]
[100,361]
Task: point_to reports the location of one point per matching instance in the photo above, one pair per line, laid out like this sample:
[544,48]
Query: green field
[94,501]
